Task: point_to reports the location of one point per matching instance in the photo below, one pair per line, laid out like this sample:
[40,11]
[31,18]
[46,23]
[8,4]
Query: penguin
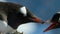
[55,22]
[14,15]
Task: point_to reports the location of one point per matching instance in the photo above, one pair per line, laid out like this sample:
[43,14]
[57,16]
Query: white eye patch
[23,10]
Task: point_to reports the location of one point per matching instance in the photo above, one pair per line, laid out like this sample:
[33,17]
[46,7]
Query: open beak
[35,19]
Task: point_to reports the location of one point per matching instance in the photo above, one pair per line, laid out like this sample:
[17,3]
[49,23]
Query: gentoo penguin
[55,22]
[14,15]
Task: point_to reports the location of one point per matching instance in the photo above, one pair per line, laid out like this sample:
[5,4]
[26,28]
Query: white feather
[23,10]
[58,12]
[4,27]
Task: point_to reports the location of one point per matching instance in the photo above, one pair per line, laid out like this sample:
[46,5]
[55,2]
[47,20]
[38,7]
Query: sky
[44,9]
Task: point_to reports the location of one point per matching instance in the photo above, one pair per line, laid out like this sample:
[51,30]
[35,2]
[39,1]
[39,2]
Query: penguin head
[16,14]
[28,16]
[56,17]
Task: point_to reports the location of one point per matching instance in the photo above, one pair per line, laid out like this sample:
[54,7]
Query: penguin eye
[23,10]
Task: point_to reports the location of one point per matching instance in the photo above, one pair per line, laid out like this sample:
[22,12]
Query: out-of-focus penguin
[55,22]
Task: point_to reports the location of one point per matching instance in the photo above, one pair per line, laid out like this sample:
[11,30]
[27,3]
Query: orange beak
[51,27]
[35,19]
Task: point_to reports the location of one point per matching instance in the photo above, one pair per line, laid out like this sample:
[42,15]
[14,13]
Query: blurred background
[44,9]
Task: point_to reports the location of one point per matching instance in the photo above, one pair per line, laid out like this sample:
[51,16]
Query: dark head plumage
[17,14]
[55,17]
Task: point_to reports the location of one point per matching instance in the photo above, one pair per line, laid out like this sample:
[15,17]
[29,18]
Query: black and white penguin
[55,22]
[12,15]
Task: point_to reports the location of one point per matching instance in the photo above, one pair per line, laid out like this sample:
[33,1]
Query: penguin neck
[13,21]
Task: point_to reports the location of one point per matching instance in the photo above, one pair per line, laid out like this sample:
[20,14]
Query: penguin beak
[51,26]
[36,19]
